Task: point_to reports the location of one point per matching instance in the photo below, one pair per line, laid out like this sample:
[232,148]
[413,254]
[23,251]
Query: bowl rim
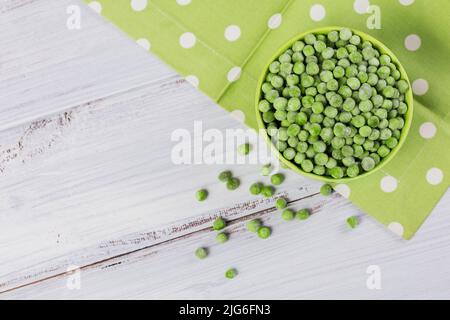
[384,50]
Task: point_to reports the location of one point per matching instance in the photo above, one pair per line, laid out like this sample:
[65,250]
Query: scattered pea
[255,188]
[281,203]
[302,214]
[224,176]
[254,225]
[222,237]
[326,190]
[267,191]
[288,214]
[231,273]
[264,232]
[219,224]
[331,100]
[201,194]
[201,253]
[233,183]
[352,222]
[277,179]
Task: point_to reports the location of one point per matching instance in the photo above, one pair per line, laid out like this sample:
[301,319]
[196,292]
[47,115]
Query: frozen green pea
[316,118]
[391,142]
[301,118]
[333,85]
[219,224]
[337,172]
[266,87]
[244,149]
[233,183]
[335,100]
[264,232]
[230,273]
[254,225]
[355,40]
[339,129]
[352,222]
[328,122]
[298,46]
[264,106]
[201,253]
[285,69]
[298,68]
[201,194]
[402,86]
[293,130]
[308,50]
[345,117]
[352,171]
[267,191]
[327,53]
[348,161]
[312,68]
[337,154]
[292,142]
[353,83]
[314,129]
[345,63]
[222,237]
[266,169]
[338,72]
[299,157]
[385,134]
[277,179]
[374,135]
[365,92]
[383,72]
[347,151]
[337,142]
[328,65]
[280,203]
[277,82]
[355,57]
[302,146]
[319,146]
[224,176]
[367,163]
[255,188]
[365,131]
[321,159]
[345,34]
[365,106]
[326,189]
[302,214]
[326,134]
[307,165]
[289,153]
[331,163]
[319,170]
[383,151]
[317,107]
[288,215]
[274,67]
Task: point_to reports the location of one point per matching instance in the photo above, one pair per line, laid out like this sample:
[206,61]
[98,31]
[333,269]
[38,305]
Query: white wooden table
[87,185]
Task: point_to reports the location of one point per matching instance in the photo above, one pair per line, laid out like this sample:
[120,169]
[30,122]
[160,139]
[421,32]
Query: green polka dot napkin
[221,47]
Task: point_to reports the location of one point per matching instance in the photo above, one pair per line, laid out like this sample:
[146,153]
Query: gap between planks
[176,228]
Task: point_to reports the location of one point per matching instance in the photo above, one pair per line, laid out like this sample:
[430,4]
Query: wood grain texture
[87,181]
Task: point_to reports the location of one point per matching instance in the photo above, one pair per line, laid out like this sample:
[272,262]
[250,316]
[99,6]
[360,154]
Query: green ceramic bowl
[408,100]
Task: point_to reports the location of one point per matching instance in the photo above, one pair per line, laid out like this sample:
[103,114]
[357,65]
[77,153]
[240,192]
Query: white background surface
[86,181]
